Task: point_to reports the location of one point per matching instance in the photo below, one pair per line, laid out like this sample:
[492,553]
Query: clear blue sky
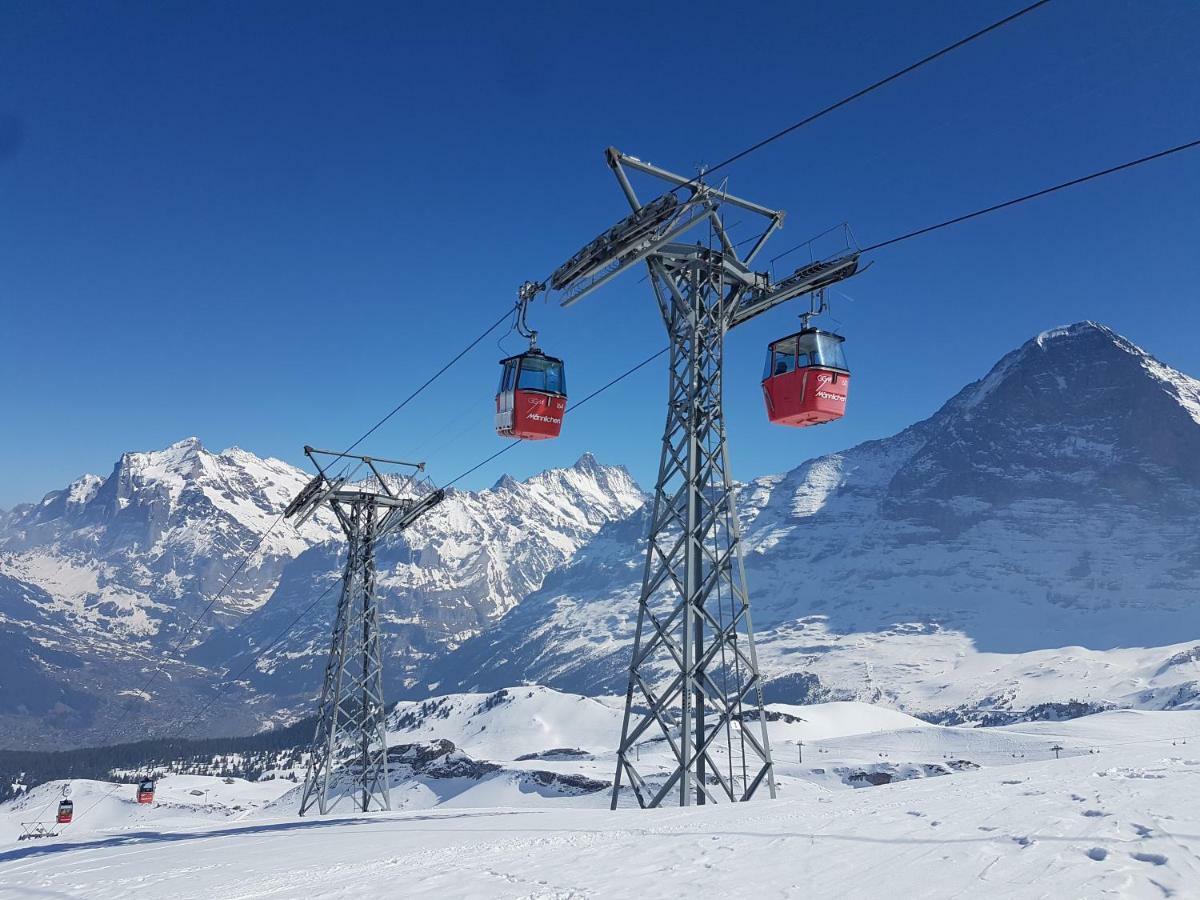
[265,223]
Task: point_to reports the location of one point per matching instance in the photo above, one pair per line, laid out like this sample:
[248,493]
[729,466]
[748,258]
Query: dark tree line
[232,757]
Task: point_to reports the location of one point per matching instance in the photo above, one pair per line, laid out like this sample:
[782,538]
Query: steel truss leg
[694,672]
[350,723]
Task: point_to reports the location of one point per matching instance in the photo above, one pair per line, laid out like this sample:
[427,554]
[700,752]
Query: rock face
[138,554]
[1032,542]
[99,582]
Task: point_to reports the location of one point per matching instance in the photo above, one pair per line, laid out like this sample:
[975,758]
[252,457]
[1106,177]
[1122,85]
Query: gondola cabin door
[806,381]
[532,397]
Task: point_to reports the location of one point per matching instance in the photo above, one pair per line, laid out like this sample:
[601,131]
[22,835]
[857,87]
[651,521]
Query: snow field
[1116,814]
[1076,827]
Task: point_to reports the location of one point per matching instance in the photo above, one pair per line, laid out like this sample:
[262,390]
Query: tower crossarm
[401,517]
[807,278]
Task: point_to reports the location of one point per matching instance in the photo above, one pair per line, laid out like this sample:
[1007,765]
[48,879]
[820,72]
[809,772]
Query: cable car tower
[350,719]
[694,672]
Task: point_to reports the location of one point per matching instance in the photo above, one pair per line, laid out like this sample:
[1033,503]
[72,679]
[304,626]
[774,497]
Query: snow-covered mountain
[139,553]
[466,563]
[1032,542]
[99,580]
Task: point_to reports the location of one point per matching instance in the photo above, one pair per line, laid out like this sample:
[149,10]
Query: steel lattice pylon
[694,675]
[350,745]
[693,612]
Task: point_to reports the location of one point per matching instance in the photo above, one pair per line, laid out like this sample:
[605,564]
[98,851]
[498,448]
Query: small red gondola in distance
[806,380]
[66,811]
[532,397]
[145,791]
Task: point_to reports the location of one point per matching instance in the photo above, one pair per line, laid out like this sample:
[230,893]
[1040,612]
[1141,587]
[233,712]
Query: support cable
[1043,192]
[434,377]
[1017,200]
[877,246]
[871,87]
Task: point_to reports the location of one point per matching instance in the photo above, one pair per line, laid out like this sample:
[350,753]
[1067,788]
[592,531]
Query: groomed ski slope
[1118,816]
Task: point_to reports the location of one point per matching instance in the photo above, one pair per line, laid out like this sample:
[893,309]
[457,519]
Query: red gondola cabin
[145,791]
[532,397]
[806,379]
[66,810]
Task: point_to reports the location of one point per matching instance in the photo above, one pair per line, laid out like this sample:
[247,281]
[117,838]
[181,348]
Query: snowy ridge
[108,571]
[1031,543]
[165,525]
[450,576]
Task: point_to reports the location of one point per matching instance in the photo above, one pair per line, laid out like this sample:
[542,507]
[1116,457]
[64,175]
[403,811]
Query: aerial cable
[271,645]
[809,119]
[1016,200]
[868,89]
[1050,190]
[471,346]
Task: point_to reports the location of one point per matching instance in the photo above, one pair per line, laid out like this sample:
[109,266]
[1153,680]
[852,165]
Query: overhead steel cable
[227,682]
[876,246]
[434,377]
[1042,193]
[1015,200]
[726,162]
[879,245]
[869,88]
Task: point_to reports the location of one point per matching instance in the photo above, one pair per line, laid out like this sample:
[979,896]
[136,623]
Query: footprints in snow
[1099,854]
[1155,859]
[933,823]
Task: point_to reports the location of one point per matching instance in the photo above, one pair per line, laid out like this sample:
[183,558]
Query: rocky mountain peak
[586,463]
[1074,403]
